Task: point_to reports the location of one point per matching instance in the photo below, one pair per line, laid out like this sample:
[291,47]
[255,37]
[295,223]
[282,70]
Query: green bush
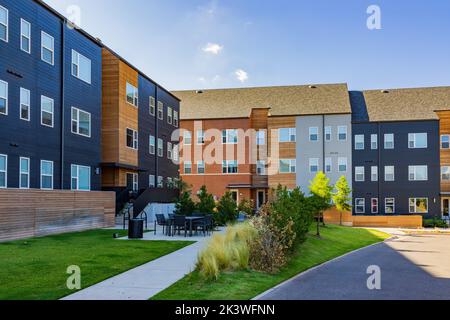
[435,223]
[206,204]
[226,210]
[185,205]
[246,206]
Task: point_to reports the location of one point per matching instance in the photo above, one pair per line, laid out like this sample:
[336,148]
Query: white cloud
[213,48]
[241,75]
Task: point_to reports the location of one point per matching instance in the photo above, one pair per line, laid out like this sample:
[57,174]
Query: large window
[132,139]
[3,97]
[418,205]
[25,36]
[132,181]
[47,110]
[46,175]
[25,99]
[389,205]
[81,122]
[389,141]
[313,165]
[389,173]
[160,110]
[81,67]
[24,173]
[342,133]
[3,171]
[132,95]
[187,138]
[359,142]
[359,174]
[373,141]
[260,137]
[445,173]
[288,166]
[81,178]
[417,140]
[230,136]
[287,135]
[187,167]
[360,205]
[152,106]
[160,148]
[418,173]
[152,145]
[201,167]
[342,164]
[328,165]
[261,167]
[314,134]
[3,24]
[374,205]
[374,173]
[445,141]
[47,48]
[229,166]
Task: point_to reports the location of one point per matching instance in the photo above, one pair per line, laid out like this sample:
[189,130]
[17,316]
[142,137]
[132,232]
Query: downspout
[63,74]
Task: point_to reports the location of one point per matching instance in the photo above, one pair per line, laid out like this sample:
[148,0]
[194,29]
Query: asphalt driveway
[412,268]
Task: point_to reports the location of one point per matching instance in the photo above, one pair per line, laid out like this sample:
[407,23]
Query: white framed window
[328,133]
[132,95]
[313,134]
[151,144]
[374,141]
[359,142]
[288,166]
[418,205]
[25,36]
[445,173]
[417,140]
[81,122]
[313,165]
[170,183]
[389,205]
[169,115]
[160,110]
[445,141]
[25,101]
[261,168]
[169,150]
[80,178]
[47,48]
[389,141]
[160,182]
[260,137]
[3,97]
[152,106]
[24,173]
[132,139]
[360,205]
[287,135]
[175,118]
[200,137]
[342,164]
[374,205]
[342,133]
[328,165]
[389,173]
[81,67]
[4,24]
[133,181]
[187,167]
[47,111]
[175,153]
[230,166]
[374,173]
[201,167]
[230,136]
[187,138]
[359,174]
[418,173]
[46,175]
[151,181]
[160,148]
[3,171]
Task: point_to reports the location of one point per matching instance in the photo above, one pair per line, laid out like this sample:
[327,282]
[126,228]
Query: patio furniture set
[188,224]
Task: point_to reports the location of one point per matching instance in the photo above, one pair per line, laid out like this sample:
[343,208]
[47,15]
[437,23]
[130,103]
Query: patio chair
[179,223]
[201,225]
[209,221]
[161,221]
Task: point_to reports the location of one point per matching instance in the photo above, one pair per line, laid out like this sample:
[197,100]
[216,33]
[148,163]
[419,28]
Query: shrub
[206,204]
[185,205]
[435,223]
[226,210]
[246,206]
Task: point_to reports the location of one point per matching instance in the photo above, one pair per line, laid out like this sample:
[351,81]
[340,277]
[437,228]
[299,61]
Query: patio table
[188,219]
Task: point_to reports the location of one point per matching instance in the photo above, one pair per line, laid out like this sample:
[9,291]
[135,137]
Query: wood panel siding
[34,213]
[444,125]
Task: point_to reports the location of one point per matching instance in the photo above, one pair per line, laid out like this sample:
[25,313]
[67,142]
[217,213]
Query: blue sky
[188,44]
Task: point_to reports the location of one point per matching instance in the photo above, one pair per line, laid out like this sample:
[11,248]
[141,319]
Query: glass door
[445,208]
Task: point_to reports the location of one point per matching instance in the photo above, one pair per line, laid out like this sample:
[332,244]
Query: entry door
[445,208]
[132,181]
[235,195]
[261,198]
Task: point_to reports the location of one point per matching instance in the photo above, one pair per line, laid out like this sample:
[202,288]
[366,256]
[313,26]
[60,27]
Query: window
[175,153]
[152,144]
[132,95]
[342,133]
[187,167]
[170,183]
[24,173]
[3,97]
[374,174]
[359,142]
[25,98]
[374,142]
[25,36]
[132,181]
[418,173]
[200,137]
[3,24]
[417,140]
[160,110]
[342,164]
[81,67]
[313,134]
[47,108]
[3,171]
[169,150]
[389,173]
[229,136]
[169,115]
[287,135]
[151,181]
[389,141]
[445,141]
[46,175]
[445,173]
[160,148]
[175,118]
[261,167]
[328,133]
[418,205]
[360,205]
[389,205]
[313,165]
[132,139]
[152,107]
[187,138]
[160,182]
[81,122]
[374,205]
[201,167]
[81,178]
[359,174]
[229,166]
[47,48]
[288,166]
[260,137]
[328,165]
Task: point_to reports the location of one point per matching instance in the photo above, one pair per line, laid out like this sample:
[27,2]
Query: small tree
[341,197]
[207,203]
[226,210]
[185,206]
[246,206]
[321,190]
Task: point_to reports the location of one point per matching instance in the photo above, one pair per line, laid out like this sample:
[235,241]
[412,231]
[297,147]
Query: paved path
[412,267]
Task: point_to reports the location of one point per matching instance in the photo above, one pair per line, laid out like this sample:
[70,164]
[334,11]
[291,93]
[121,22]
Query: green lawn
[35,269]
[245,285]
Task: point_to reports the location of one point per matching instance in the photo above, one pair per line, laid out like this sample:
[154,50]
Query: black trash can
[136,229]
